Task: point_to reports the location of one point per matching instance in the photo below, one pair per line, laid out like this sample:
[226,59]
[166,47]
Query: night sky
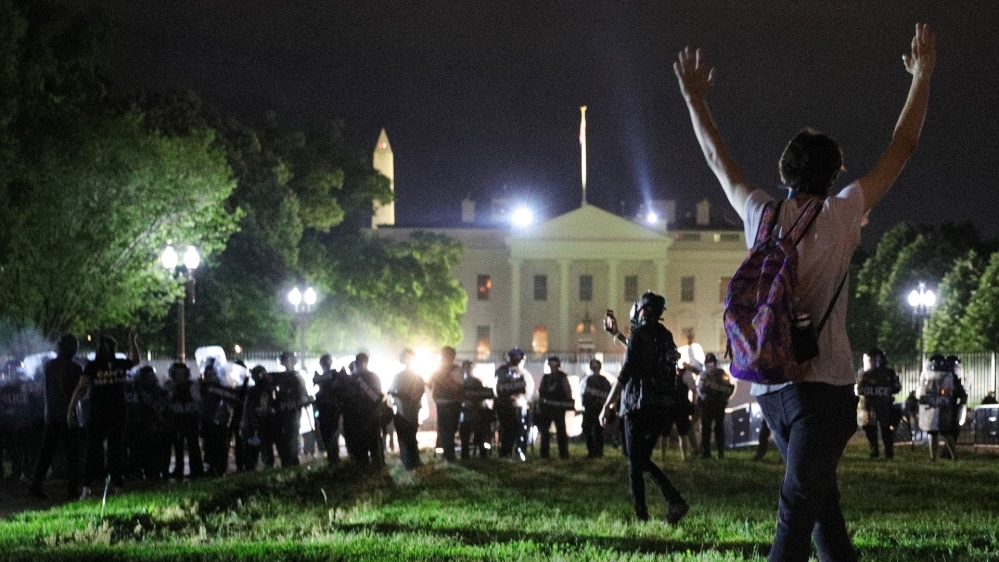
[483,98]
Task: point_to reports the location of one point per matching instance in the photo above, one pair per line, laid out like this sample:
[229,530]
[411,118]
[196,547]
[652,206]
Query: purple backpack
[760,304]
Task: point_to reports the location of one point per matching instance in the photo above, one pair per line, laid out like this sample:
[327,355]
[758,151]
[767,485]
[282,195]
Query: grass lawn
[908,509]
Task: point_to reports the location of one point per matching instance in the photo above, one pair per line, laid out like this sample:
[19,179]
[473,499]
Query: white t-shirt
[823,259]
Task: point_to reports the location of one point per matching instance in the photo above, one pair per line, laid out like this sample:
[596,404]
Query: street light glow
[925,298]
[522,217]
[652,218]
[310,296]
[169,258]
[192,259]
[295,297]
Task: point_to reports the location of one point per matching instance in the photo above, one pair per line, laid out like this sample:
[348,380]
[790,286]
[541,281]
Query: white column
[563,306]
[661,277]
[613,289]
[515,295]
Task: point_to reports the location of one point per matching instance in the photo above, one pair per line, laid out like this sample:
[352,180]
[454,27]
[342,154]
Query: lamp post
[921,300]
[184,271]
[301,304]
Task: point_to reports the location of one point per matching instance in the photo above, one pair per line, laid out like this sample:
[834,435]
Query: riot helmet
[953,363]
[938,363]
[516,355]
[878,358]
[147,377]
[179,371]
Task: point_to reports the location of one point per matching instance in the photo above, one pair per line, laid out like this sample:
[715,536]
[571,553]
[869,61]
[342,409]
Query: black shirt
[62,375]
[107,386]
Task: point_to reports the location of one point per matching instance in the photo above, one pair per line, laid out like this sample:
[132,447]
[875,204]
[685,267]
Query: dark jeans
[544,425]
[712,414]
[448,418]
[811,424]
[882,419]
[112,431]
[409,450]
[641,432]
[54,433]
[593,432]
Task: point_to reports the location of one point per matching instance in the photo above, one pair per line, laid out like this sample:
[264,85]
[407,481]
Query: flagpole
[582,147]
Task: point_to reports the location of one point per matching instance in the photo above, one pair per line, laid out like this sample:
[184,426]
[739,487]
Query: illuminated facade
[545,288]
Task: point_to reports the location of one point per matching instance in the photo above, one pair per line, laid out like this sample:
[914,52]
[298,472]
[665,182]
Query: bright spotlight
[425,362]
[310,296]
[652,218]
[522,217]
[295,297]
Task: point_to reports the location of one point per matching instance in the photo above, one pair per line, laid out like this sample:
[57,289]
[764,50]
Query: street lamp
[301,304]
[185,271]
[921,300]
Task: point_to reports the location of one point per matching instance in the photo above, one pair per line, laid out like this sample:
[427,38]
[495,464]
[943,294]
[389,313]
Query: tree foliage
[89,196]
[905,256]
[942,330]
[400,292]
[979,326]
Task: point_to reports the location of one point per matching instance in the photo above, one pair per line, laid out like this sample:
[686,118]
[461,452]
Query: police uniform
[554,400]
[475,431]
[185,410]
[328,409]
[714,388]
[446,389]
[289,398]
[370,448]
[594,391]
[877,389]
[513,387]
[408,389]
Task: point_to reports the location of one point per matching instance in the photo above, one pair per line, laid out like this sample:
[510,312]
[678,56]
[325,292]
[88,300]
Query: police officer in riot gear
[645,387]
[328,407]
[714,388]
[554,400]
[369,447]
[445,386]
[475,430]
[594,391]
[940,405]
[185,409]
[217,402]
[289,398]
[407,392]
[514,387]
[877,389]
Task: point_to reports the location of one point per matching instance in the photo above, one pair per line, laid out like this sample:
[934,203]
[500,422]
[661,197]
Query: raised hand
[695,78]
[923,57]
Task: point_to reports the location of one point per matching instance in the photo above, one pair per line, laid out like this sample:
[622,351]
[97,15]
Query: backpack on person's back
[767,336]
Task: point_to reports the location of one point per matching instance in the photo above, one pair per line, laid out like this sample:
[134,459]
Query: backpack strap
[804,221]
[818,329]
[771,215]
